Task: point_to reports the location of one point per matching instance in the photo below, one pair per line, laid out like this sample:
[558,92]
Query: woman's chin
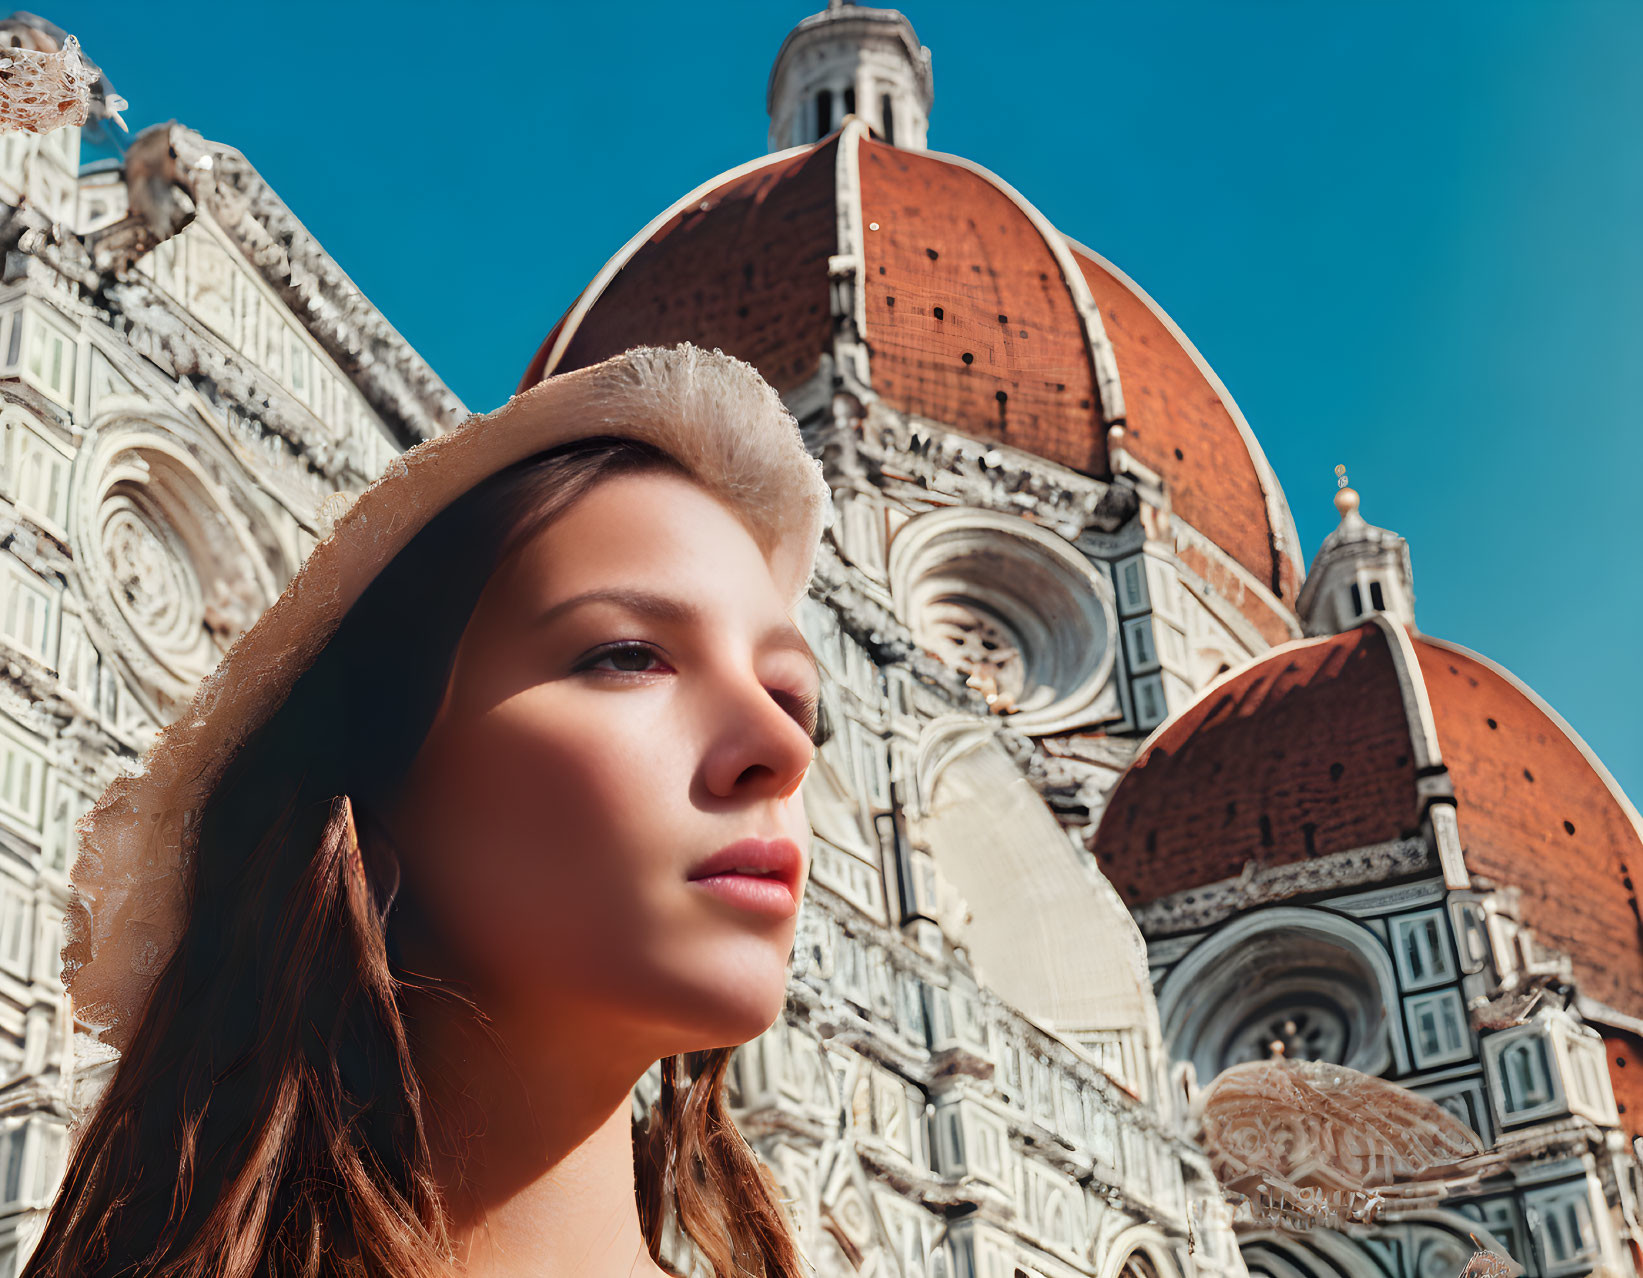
[728,1015]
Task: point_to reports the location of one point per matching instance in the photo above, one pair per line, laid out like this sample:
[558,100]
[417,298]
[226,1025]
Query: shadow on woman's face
[589,754]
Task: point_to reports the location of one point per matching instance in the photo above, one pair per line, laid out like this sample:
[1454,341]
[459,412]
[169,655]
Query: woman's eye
[630,658]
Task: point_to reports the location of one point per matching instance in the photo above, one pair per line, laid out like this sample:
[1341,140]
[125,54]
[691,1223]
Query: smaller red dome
[1328,745]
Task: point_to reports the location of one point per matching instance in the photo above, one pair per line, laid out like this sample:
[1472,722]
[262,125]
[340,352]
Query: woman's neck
[533,1148]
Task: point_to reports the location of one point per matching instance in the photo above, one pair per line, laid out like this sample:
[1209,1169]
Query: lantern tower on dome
[850,60]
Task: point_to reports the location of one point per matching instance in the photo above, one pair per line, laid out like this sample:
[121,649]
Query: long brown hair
[267,1115]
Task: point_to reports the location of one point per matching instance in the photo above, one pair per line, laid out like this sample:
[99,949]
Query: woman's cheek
[565,814]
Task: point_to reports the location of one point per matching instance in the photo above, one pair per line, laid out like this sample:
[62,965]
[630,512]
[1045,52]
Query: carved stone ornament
[180,575]
[1299,1140]
[45,89]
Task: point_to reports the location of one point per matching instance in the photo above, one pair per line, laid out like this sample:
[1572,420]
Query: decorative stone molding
[166,553]
[1248,981]
[1028,619]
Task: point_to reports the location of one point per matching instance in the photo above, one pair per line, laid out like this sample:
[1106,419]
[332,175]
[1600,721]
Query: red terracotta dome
[976,313]
[1331,744]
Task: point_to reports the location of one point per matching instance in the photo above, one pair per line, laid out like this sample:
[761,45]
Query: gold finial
[1346,498]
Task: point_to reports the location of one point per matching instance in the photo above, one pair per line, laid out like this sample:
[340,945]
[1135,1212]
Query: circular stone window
[179,568]
[1278,979]
[1026,618]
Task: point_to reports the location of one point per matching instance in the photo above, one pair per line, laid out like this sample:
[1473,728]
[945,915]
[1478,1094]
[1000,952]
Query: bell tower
[850,60]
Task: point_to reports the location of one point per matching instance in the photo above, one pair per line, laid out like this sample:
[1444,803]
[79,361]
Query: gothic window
[43,483]
[25,610]
[22,780]
[1150,707]
[51,361]
[1437,1028]
[1132,585]
[16,911]
[1561,1217]
[1138,639]
[1526,1083]
[41,475]
[1421,949]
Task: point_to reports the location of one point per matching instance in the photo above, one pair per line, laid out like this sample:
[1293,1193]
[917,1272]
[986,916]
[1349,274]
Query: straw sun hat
[710,411]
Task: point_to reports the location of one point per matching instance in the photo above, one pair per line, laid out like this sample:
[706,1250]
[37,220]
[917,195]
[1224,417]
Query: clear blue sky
[1408,235]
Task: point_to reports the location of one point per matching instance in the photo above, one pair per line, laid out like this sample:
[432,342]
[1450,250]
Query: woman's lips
[773,885]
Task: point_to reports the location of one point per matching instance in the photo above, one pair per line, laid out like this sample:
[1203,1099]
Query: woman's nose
[758,750]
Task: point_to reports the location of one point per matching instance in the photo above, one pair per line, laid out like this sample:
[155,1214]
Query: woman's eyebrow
[666,608]
[644,602]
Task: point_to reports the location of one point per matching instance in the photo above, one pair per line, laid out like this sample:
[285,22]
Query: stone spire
[850,60]
[1358,570]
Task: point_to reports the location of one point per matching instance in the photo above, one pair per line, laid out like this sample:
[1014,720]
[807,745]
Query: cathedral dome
[975,314]
[1338,744]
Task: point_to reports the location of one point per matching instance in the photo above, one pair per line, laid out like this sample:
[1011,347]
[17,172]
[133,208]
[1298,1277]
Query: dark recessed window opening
[824,113]
[889,118]
[1492,724]
[1568,827]
[850,100]
[931,254]
[1179,455]
[938,312]
[1357,600]
[968,358]
[1376,597]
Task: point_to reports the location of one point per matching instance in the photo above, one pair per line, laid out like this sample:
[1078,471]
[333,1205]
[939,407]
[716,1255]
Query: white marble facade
[974,1077]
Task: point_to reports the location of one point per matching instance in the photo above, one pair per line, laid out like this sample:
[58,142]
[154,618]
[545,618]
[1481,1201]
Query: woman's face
[629,698]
